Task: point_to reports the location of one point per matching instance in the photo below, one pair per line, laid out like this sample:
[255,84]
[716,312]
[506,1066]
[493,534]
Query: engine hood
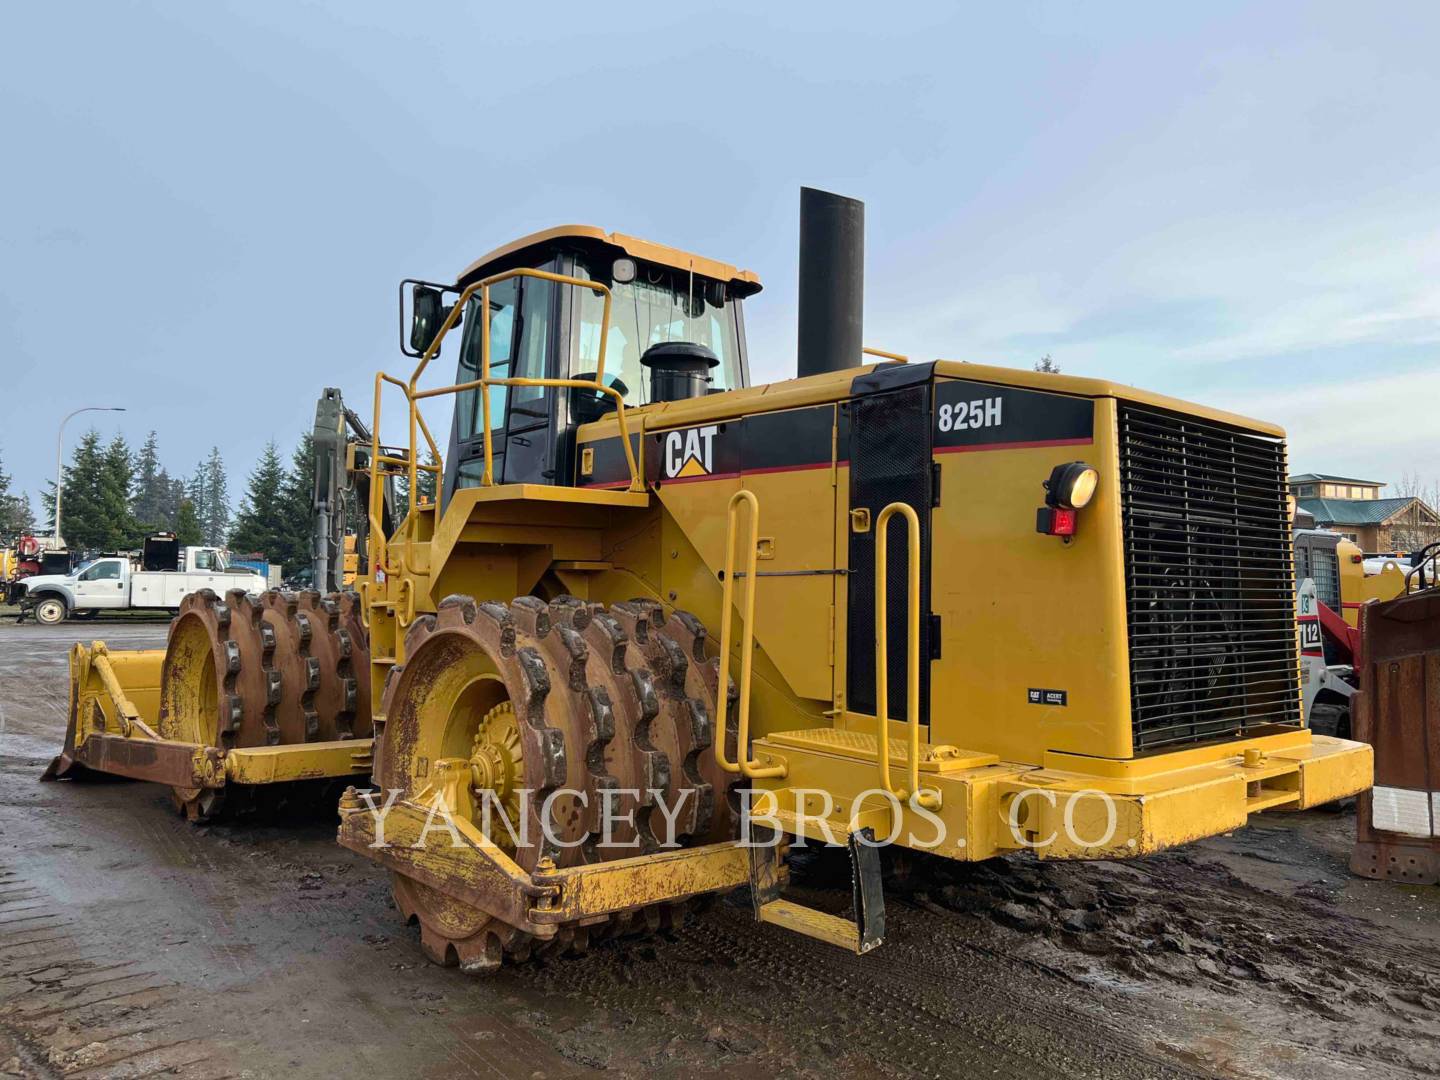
[39,581]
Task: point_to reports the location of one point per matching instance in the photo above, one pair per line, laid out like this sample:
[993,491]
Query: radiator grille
[1210,587]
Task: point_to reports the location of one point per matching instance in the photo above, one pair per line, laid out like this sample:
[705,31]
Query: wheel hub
[496,766]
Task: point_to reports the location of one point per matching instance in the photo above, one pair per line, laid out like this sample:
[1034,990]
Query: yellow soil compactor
[659,621]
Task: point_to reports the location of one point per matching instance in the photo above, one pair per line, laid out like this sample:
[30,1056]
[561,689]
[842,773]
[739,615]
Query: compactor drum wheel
[551,713]
[247,670]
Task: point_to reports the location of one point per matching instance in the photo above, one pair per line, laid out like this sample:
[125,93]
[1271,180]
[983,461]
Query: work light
[1071,486]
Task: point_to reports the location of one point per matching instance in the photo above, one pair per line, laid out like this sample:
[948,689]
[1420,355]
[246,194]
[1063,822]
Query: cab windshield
[660,305]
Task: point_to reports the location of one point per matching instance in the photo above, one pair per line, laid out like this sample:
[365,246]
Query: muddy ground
[133,944]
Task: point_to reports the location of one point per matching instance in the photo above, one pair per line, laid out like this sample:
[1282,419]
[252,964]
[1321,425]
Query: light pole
[60,459]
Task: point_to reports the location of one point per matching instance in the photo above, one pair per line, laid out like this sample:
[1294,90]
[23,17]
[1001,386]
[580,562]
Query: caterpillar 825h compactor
[658,617]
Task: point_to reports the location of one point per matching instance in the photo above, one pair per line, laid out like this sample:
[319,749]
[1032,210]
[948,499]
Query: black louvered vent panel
[1210,587]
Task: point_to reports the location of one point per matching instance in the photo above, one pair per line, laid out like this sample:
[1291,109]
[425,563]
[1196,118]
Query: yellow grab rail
[485,381]
[899,358]
[379,546]
[929,799]
[746,767]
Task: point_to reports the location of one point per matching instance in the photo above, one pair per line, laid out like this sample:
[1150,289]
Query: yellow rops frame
[379,545]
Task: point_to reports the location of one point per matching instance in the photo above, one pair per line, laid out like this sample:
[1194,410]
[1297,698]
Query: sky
[207,207]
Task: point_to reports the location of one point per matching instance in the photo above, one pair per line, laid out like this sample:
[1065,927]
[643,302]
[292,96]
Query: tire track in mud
[751,996]
[69,1009]
[1328,990]
[69,1006]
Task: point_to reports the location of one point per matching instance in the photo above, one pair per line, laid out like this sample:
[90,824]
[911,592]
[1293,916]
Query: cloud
[1375,427]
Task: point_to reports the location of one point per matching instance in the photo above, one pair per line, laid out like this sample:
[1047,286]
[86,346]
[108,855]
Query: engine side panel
[1033,628]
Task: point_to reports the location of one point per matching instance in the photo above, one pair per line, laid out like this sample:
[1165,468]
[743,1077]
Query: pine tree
[174,496]
[215,509]
[426,484]
[15,516]
[261,526]
[195,489]
[83,520]
[166,501]
[187,525]
[152,489]
[117,475]
[47,502]
[299,497]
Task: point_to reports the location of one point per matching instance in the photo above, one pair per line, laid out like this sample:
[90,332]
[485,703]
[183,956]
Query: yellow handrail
[930,799]
[745,766]
[377,540]
[485,381]
[378,545]
[899,358]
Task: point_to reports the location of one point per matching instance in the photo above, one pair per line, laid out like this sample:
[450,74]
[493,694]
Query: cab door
[522,422]
[102,585]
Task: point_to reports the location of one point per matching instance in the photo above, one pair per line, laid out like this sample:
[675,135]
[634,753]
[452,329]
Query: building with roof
[1353,508]
[1377,525]
[1325,486]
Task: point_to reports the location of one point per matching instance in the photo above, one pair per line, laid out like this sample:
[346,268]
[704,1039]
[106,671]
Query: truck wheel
[50,611]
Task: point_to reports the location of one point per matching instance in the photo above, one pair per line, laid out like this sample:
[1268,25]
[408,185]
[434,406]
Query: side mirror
[427,313]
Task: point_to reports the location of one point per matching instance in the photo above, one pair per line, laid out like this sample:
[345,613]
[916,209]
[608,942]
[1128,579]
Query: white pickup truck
[158,579]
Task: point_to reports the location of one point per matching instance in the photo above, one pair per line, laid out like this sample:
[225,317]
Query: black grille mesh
[1210,587]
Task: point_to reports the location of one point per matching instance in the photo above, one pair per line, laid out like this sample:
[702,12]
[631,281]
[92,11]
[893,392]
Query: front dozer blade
[114,729]
[109,692]
[1397,711]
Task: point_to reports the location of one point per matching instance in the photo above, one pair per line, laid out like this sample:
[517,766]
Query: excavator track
[604,716]
[279,668]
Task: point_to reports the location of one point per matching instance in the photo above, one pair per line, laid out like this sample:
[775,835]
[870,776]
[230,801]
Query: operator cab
[545,329]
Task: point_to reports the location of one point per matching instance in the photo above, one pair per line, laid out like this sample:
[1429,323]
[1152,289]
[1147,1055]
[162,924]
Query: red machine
[33,556]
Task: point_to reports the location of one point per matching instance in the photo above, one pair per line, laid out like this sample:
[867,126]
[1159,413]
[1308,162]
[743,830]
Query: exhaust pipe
[832,282]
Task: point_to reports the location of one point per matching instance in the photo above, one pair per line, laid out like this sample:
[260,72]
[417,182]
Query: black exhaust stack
[832,282]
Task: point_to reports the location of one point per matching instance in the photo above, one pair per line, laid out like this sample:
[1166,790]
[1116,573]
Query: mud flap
[863,931]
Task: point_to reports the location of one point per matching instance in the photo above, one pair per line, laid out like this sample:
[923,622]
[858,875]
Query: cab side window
[204,560]
[102,571]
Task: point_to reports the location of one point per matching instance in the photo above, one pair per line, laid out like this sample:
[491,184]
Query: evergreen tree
[298,500]
[151,489]
[84,517]
[195,489]
[15,516]
[261,526]
[215,509]
[187,525]
[426,484]
[174,496]
[47,500]
[117,475]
